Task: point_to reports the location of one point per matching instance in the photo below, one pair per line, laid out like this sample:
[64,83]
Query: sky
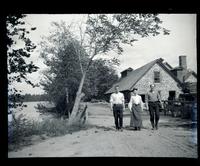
[181,41]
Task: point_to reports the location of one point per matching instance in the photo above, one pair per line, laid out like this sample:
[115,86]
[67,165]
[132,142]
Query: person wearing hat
[152,100]
[117,107]
[136,106]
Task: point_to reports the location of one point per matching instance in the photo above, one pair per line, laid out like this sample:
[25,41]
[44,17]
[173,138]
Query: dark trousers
[118,115]
[154,113]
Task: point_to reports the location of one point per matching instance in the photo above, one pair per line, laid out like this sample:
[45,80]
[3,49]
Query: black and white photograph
[102,85]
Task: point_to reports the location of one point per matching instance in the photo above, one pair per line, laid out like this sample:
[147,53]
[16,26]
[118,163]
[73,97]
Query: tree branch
[79,58]
[91,59]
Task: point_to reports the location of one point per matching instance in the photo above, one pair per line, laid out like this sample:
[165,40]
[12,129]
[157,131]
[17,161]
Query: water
[30,112]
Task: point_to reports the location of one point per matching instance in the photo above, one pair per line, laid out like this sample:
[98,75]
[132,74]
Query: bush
[20,127]
[60,109]
[54,127]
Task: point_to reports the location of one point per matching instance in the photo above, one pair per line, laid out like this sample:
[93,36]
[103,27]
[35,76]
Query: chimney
[182,69]
[182,62]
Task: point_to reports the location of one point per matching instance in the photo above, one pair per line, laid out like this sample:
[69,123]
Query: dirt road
[175,138]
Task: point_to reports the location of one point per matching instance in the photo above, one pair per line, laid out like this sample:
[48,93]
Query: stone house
[187,77]
[169,81]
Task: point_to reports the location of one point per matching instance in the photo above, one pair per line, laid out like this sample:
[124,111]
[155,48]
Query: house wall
[191,79]
[166,84]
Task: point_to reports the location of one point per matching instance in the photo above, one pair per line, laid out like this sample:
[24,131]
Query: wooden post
[67,101]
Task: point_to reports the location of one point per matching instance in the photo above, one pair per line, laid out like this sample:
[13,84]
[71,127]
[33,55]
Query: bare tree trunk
[74,118]
[79,95]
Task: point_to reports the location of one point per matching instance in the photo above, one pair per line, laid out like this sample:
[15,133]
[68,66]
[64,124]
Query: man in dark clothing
[152,101]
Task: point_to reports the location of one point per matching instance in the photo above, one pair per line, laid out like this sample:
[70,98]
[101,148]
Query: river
[30,112]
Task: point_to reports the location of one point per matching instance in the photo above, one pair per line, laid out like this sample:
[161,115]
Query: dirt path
[175,138]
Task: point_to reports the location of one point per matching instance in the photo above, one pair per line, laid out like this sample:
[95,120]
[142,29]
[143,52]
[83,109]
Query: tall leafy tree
[60,52]
[106,33]
[19,48]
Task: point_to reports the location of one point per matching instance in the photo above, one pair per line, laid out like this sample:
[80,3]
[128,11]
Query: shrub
[54,127]
[20,128]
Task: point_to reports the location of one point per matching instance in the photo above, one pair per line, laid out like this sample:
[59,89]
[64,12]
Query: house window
[156,77]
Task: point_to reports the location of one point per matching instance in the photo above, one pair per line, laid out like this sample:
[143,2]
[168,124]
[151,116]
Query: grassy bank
[21,131]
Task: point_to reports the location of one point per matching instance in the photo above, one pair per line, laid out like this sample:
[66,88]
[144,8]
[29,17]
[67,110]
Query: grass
[21,130]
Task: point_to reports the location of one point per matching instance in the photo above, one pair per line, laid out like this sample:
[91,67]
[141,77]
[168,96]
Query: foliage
[102,33]
[22,130]
[60,51]
[38,97]
[59,55]
[106,33]
[101,76]
[19,48]
[19,128]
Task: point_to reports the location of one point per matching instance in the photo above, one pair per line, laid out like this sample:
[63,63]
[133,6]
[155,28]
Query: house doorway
[143,97]
[172,95]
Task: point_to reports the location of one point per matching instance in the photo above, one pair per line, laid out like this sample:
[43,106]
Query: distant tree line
[35,97]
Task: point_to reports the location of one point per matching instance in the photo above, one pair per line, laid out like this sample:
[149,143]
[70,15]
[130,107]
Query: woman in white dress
[135,106]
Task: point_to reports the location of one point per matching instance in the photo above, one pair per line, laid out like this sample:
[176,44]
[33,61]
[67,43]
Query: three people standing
[152,101]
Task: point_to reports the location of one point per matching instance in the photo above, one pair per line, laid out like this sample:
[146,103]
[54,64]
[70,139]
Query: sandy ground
[174,138]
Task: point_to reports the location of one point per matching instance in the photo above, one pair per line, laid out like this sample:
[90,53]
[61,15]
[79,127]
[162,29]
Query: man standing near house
[153,100]
[117,107]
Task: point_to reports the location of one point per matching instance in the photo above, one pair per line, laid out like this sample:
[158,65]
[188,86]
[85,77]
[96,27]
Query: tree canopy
[107,32]
[100,34]
[19,48]
[60,52]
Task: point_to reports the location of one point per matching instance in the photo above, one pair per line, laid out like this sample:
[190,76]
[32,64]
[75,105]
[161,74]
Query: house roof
[129,69]
[189,73]
[168,66]
[128,82]
[177,67]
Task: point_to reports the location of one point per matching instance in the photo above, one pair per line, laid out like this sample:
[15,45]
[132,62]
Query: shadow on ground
[110,128]
[178,123]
